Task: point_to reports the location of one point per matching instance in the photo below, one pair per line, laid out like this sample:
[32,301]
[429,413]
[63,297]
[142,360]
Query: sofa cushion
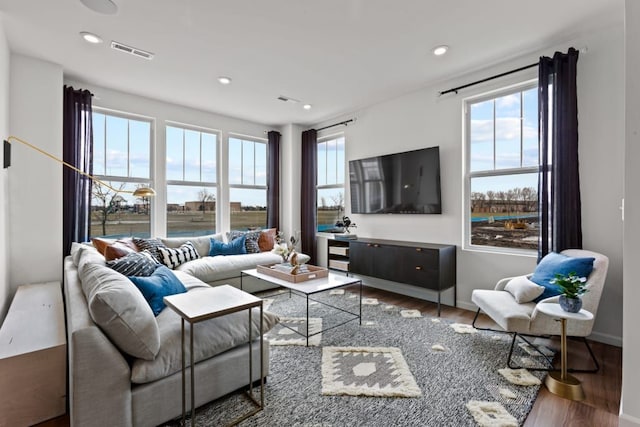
[210,337]
[173,257]
[120,310]
[201,243]
[235,247]
[117,250]
[135,264]
[160,284]
[267,239]
[211,269]
[101,244]
[251,239]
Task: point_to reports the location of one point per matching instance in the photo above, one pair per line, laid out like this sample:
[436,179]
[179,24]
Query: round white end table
[561,383]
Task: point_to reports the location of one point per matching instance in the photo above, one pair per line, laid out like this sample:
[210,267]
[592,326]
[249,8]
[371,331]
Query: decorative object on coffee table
[572,287]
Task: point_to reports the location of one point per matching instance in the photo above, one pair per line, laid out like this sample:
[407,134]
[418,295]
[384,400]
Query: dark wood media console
[427,265]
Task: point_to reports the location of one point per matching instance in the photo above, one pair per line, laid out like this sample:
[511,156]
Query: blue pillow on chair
[235,247]
[160,284]
[554,263]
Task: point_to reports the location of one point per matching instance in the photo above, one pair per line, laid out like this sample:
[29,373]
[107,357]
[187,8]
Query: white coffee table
[562,383]
[311,287]
[204,304]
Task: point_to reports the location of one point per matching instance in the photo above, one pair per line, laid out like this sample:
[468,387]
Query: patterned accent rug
[457,373]
[285,335]
[367,371]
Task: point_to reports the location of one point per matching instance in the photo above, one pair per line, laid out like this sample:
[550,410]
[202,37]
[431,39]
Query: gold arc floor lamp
[138,192]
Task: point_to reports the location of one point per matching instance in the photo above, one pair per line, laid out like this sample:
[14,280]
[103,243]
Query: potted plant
[572,287]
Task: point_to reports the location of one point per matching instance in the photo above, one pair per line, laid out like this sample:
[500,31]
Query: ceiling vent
[131,50]
[287,99]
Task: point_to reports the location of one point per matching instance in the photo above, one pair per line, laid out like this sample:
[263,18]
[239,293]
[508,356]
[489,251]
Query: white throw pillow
[523,289]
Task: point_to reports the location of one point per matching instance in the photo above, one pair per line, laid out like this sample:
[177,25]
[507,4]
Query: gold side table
[199,305]
[560,382]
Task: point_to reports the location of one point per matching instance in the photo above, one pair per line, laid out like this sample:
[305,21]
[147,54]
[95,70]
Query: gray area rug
[451,369]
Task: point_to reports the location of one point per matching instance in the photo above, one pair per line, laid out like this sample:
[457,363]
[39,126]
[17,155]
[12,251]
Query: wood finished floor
[599,409]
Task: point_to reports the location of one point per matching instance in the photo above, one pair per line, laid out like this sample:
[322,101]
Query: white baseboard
[628,421]
[606,338]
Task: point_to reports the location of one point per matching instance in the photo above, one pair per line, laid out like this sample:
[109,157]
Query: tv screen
[401,183]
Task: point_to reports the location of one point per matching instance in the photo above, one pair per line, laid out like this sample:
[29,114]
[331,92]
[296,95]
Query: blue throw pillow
[160,284]
[235,247]
[554,263]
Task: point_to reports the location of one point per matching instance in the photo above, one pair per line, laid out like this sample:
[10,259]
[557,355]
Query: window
[330,197]
[121,158]
[502,169]
[247,183]
[191,181]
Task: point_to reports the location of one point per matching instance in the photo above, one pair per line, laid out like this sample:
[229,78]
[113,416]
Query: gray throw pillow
[135,264]
[151,245]
[120,310]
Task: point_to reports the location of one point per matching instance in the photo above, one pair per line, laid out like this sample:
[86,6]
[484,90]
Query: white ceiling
[338,55]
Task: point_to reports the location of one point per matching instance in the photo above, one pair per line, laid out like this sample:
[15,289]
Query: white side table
[200,305]
[561,383]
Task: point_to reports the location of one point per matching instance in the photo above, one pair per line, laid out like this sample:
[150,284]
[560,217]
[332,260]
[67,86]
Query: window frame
[148,182]
[334,136]
[241,186]
[189,183]
[468,175]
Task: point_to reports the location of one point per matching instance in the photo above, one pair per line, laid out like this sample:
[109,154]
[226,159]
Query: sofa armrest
[99,381]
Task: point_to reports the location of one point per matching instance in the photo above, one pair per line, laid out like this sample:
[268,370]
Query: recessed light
[90,37]
[104,7]
[224,80]
[307,106]
[440,50]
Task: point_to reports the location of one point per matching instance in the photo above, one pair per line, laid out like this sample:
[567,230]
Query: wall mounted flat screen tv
[401,183]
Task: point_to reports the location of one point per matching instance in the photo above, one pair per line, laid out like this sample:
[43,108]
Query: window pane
[330,207]
[191,210]
[530,127]
[139,149]
[175,155]
[340,160]
[235,161]
[209,156]
[261,163]
[481,136]
[248,163]
[248,208]
[118,214]
[322,163]
[98,143]
[504,211]
[331,162]
[508,131]
[117,146]
[191,155]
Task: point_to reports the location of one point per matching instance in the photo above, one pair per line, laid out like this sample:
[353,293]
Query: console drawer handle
[419,249]
[418,268]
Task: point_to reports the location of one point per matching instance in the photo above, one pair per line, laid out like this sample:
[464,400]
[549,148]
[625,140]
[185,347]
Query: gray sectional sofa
[124,363]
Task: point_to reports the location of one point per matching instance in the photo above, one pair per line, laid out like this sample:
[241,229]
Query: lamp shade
[144,192]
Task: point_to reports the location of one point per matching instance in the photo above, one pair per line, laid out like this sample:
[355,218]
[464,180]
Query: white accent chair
[526,320]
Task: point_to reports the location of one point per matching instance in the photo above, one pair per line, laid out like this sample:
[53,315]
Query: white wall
[421,119]
[630,404]
[5,288]
[291,156]
[35,189]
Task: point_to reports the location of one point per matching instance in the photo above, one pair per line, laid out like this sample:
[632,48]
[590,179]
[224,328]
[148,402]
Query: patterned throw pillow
[135,264]
[251,239]
[151,245]
[173,257]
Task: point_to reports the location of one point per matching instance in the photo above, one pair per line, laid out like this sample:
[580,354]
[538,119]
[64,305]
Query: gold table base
[568,388]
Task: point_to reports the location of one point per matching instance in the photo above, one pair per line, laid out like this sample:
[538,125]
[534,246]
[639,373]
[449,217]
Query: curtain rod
[346,122]
[456,89]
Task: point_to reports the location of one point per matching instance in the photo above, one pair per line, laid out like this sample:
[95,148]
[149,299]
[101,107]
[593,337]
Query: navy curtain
[308,192]
[77,145]
[559,180]
[273,180]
